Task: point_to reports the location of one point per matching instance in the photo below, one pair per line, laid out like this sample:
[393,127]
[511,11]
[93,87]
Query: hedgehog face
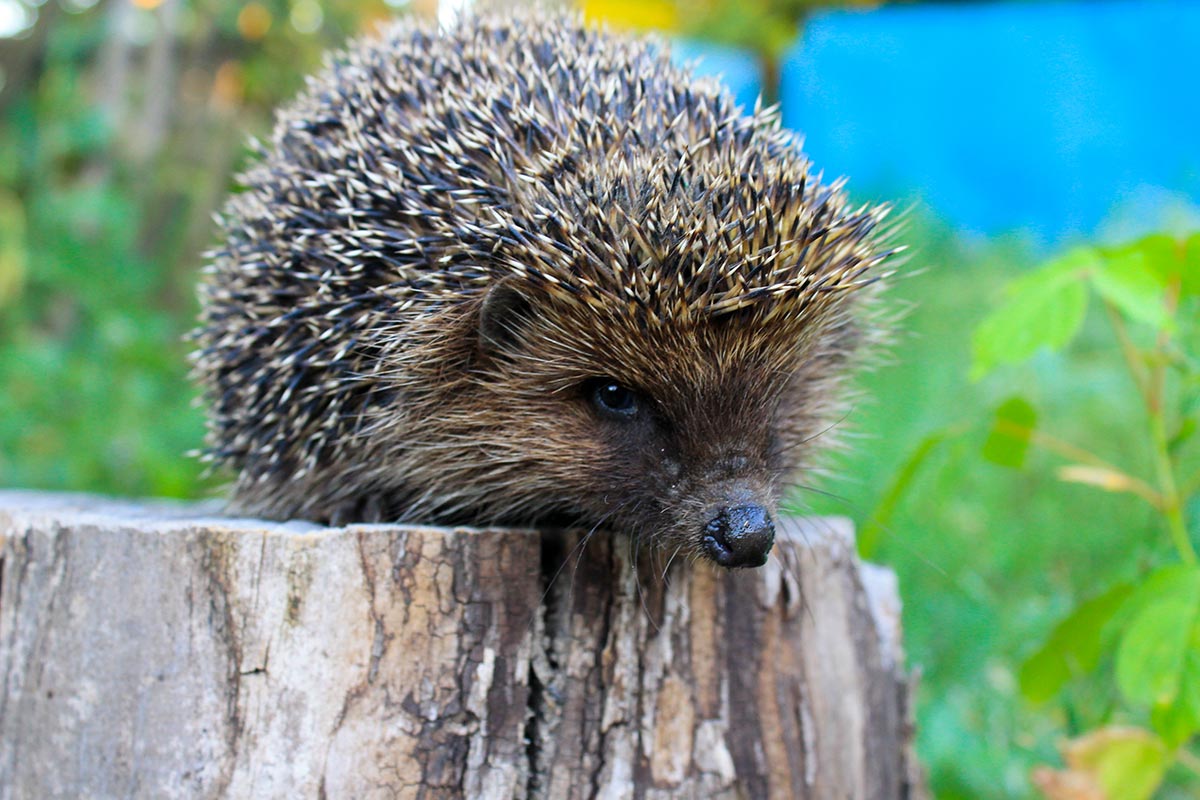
[684,435]
[677,334]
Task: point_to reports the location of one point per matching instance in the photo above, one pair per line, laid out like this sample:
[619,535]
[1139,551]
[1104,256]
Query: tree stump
[161,650]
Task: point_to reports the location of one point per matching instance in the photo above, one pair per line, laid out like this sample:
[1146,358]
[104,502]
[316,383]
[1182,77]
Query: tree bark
[159,650]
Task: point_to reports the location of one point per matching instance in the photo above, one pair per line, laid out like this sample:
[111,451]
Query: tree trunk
[158,650]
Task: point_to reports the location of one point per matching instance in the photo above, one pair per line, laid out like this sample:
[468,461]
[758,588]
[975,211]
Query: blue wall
[1042,117]
[737,69]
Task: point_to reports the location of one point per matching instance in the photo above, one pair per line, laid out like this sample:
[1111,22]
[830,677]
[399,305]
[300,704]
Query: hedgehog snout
[739,536]
[732,505]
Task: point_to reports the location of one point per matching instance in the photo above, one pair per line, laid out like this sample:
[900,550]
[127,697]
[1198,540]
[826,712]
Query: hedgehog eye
[611,399]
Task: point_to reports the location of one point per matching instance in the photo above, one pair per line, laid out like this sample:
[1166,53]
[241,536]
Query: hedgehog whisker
[667,568]
[813,437]
[823,493]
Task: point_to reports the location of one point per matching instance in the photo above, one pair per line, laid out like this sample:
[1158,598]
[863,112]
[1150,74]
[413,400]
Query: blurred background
[1010,132]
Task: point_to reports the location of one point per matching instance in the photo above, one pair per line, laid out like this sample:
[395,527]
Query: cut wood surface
[161,650]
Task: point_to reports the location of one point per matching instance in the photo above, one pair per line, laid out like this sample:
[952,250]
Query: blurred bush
[126,121]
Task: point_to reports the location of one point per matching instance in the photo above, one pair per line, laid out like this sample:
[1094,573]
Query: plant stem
[1137,369]
[1172,506]
[1076,453]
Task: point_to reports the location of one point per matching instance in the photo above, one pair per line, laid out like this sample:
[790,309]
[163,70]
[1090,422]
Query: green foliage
[1008,441]
[1042,309]
[1157,633]
[879,520]
[1126,763]
[104,211]
[90,344]
[1074,647]
[1018,576]
[1150,628]
[767,27]
[1045,308]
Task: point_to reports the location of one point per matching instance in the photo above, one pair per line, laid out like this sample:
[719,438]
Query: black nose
[740,537]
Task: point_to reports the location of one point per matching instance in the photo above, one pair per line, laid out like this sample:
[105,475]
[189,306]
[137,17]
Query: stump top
[23,508]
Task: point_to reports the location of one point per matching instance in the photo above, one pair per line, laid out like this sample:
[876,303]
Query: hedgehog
[518,271]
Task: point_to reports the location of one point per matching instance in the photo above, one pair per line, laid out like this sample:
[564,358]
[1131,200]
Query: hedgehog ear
[504,311]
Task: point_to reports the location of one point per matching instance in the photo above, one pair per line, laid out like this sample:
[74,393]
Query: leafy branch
[1149,629]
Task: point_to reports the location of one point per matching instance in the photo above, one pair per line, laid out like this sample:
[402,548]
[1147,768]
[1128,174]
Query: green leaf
[1127,762]
[1151,655]
[1044,309]
[1074,647]
[1177,720]
[1190,284]
[1008,441]
[1173,580]
[1128,282]
[1169,258]
[1159,250]
[1069,267]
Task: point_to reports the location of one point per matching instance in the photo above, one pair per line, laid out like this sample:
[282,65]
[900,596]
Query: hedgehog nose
[740,537]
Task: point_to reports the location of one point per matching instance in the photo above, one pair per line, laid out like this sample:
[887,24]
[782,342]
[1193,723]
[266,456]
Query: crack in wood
[216,566]
[598,666]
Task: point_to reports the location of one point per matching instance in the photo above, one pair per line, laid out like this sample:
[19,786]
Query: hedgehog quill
[520,272]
